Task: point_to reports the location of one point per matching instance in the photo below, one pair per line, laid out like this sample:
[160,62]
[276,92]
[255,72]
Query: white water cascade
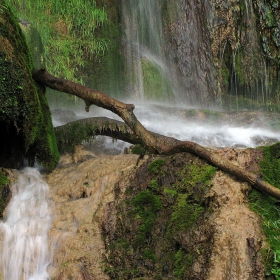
[144,47]
[25,227]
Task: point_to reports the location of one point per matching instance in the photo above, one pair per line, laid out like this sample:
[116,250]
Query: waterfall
[25,227]
[148,72]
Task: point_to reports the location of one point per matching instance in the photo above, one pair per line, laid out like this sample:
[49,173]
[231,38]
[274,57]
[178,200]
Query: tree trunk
[153,142]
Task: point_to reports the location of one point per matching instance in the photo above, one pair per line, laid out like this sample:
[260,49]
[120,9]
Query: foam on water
[26,224]
[215,134]
[212,135]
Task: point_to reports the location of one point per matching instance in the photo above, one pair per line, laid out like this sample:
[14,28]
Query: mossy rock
[164,200]
[268,208]
[25,119]
[4,192]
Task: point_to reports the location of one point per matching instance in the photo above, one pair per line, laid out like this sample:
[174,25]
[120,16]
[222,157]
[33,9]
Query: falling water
[148,72]
[25,227]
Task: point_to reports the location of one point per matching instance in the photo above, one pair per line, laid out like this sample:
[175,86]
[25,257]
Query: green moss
[167,203]
[146,206]
[267,207]
[189,207]
[72,135]
[4,192]
[185,214]
[122,244]
[154,185]
[149,255]
[156,86]
[137,149]
[25,119]
[225,75]
[170,192]
[154,167]
[270,166]
[238,68]
[181,263]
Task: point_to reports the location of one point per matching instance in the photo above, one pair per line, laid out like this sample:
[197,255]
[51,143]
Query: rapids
[25,227]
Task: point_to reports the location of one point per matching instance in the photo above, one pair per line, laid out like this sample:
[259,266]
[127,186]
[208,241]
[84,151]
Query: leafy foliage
[276,265]
[267,207]
[67,30]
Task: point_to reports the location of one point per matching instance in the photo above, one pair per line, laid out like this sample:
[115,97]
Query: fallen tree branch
[92,97]
[108,127]
[150,140]
[215,160]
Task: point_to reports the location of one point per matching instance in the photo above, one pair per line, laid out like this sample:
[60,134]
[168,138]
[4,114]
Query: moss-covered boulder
[25,120]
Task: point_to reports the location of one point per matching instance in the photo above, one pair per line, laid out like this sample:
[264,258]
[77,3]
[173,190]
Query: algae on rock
[25,120]
[164,199]
[4,192]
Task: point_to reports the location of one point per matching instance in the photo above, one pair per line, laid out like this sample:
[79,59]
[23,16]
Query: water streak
[144,48]
[25,226]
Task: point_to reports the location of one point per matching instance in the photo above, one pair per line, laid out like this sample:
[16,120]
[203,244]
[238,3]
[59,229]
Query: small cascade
[25,227]
[148,73]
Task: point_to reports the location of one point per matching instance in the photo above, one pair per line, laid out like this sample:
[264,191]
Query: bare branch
[153,142]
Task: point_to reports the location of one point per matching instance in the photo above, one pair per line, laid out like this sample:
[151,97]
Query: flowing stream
[26,224]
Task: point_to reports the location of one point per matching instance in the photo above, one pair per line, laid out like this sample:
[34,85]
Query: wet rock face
[191,52]
[237,235]
[224,242]
[166,218]
[223,47]
[25,121]
[80,193]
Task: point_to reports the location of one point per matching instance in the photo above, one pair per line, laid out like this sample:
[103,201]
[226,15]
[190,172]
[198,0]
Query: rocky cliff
[226,50]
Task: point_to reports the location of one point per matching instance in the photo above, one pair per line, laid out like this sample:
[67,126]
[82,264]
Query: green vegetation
[154,185]
[181,263]
[154,166]
[146,206]
[4,192]
[276,265]
[73,135]
[189,194]
[67,30]
[156,86]
[268,208]
[25,121]
[69,37]
[137,149]
[167,203]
